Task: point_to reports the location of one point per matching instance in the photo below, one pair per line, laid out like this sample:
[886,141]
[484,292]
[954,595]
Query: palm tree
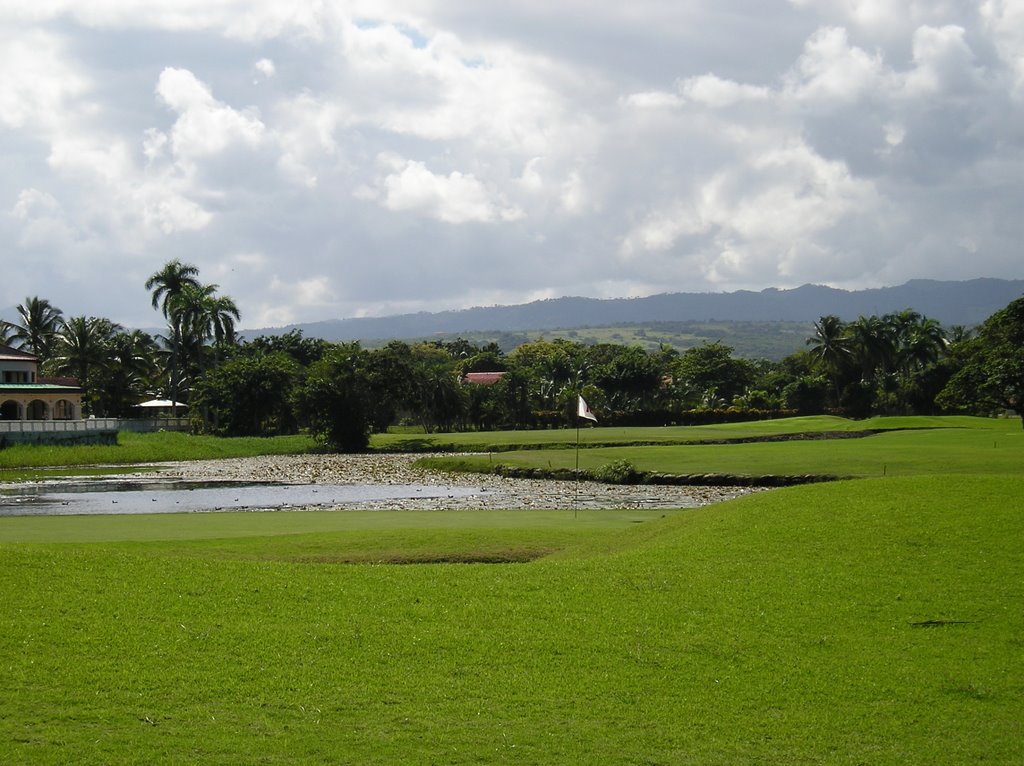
[830,348]
[81,346]
[167,286]
[130,374]
[923,344]
[40,322]
[6,333]
[223,313]
[874,345]
[170,281]
[206,315]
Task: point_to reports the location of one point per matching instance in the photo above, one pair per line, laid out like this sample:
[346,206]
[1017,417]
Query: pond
[100,496]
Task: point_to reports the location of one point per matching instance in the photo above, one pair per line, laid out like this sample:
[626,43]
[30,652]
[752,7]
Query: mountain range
[951,303]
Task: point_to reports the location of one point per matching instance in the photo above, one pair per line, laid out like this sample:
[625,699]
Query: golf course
[873,618]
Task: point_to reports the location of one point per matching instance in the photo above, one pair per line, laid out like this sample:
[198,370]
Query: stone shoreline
[490,492]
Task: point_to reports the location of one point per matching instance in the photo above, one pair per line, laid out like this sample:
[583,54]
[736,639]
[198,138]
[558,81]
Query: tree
[167,286]
[335,399]
[170,281]
[249,395]
[711,369]
[7,331]
[305,351]
[830,349]
[630,380]
[81,347]
[991,373]
[873,344]
[40,323]
[128,375]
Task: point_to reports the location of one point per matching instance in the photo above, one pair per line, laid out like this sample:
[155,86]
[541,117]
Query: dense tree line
[901,363]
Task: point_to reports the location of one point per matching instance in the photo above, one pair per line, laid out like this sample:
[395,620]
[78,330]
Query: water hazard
[104,496]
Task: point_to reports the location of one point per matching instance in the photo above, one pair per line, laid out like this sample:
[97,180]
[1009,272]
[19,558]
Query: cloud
[455,198]
[1004,21]
[832,71]
[42,88]
[204,125]
[714,91]
[323,159]
[265,67]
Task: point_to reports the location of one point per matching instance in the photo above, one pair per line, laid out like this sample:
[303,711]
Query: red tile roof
[483,378]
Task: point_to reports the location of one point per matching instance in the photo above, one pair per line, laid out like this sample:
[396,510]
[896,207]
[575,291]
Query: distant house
[482,378]
[24,395]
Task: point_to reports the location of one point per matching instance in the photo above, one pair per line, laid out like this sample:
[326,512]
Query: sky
[323,159]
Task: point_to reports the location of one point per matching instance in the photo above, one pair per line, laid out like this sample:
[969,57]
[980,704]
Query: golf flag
[583,411]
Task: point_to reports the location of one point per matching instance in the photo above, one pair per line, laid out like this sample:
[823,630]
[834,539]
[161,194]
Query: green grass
[896,453]
[146,448]
[874,621]
[817,424]
[23,462]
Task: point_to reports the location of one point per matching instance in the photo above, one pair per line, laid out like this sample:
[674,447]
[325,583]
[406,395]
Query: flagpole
[576,499]
[582,411]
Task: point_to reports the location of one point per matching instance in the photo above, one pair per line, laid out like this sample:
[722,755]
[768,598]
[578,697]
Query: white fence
[144,425]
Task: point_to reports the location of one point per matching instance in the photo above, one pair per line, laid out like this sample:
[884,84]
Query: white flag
[583,411]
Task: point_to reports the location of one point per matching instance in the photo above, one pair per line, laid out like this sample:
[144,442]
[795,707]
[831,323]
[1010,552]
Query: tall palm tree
[831,348]
[170,281]
[167,286]
[223,313]
[40,323]
[204,315]
[201,316]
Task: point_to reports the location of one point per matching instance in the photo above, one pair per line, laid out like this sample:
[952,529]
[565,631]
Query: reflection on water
[77,496]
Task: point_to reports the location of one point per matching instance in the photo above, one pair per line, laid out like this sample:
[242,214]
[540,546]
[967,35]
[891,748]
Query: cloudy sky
[327,159]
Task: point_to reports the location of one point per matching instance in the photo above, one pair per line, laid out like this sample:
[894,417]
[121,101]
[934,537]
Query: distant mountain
[951,303]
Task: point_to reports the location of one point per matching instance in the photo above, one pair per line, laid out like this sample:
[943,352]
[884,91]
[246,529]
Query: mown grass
[895,453]
[602,435]
[22,462]
[875,621]
[145,448]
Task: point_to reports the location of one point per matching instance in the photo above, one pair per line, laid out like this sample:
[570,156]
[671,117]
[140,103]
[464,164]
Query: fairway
[859,622]
[873,621]
[894,453]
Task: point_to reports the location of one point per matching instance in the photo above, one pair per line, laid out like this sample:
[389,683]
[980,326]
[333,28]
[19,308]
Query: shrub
[617,472]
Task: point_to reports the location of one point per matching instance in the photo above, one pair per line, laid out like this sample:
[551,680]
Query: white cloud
[713,91]
[1004,20]
[455,198]
[654,99]
[204,126]
[265,67]
[831,70]
[944,62]
[41,87]
[765,217]
[243,19]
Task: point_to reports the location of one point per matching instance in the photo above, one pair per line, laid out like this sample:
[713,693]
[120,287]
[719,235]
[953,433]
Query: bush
[617,472]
